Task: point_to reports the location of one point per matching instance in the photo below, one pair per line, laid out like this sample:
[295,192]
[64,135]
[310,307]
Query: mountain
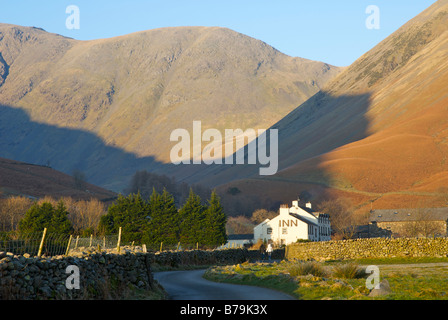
[37,181]
[107,107]
[375,134]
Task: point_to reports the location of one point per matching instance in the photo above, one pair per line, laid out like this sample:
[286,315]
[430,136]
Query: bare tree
[86,215]
[79,180]
[239,225]
[11,211]
[423,224]
[343,219]
[260,215]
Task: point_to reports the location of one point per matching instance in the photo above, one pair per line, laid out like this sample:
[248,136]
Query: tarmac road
[189,285]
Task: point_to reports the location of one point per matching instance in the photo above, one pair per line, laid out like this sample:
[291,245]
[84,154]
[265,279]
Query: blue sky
[323,30]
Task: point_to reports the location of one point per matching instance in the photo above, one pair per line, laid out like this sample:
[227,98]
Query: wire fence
[51,244]
[104,242]
[33,244]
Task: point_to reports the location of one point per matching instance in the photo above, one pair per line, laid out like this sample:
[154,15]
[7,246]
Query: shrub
[349,271]
[306,268]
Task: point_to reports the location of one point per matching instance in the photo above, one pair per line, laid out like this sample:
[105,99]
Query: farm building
[422,222]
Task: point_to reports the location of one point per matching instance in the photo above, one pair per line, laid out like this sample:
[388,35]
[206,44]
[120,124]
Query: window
[284,230]
[269,230]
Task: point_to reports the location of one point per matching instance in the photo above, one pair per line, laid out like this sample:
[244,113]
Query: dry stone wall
[102,274]
[369,248]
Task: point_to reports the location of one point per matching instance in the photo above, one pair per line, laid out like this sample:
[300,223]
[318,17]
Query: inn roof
[398,215]
[303,219]
[240,237]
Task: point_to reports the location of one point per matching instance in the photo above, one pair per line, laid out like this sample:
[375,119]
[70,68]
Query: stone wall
[420,228]
[102,275]
[369,248]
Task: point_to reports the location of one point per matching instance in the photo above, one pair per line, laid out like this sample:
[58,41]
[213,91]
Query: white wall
[286,229]
[294,228]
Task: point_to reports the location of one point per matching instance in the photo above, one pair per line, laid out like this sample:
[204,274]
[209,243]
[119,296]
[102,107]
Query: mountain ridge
[132,91]
[374,134]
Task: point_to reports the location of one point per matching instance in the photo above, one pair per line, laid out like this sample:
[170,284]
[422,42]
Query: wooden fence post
[76,244]
[91,238]
[68,246]
[42,242]
[161,246]
[119,240]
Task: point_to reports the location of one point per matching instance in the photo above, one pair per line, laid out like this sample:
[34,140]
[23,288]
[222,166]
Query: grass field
[409,279]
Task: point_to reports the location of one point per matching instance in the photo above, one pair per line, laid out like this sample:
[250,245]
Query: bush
[306,268]
[349,271]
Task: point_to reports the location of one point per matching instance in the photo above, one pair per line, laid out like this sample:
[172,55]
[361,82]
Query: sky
[331,31]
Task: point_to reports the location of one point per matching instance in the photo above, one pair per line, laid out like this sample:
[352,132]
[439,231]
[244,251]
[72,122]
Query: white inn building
[294,223]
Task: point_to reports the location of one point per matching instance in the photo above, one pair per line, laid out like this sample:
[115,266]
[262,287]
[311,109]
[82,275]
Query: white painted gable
[294,223]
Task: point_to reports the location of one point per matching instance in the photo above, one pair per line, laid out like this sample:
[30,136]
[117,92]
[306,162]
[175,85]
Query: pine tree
[59,222]
[164,224]
[215,221]
[39,217]
[171,220]
[130,213]
[192,215]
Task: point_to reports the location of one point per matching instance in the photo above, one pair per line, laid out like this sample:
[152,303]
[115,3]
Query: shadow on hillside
[320,125]
[67,150]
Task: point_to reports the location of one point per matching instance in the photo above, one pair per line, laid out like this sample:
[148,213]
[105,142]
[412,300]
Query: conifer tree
[130,213]
[164,224]
[39,217]
[59,221]
[192,215]
[215,222]
[171,218]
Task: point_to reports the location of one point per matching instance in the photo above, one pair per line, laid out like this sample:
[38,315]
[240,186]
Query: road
[189,285]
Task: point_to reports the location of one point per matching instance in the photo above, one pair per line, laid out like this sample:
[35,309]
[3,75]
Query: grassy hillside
[377,132]
[132,91]
[36,181]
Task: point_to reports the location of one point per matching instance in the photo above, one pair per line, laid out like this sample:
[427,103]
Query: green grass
[344,280]
[401,260]
[262,275]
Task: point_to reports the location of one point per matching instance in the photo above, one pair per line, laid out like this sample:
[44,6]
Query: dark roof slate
[398,215]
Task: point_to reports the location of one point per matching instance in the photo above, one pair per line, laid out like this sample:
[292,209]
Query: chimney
[284,209]
[308,205]
[295,203]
